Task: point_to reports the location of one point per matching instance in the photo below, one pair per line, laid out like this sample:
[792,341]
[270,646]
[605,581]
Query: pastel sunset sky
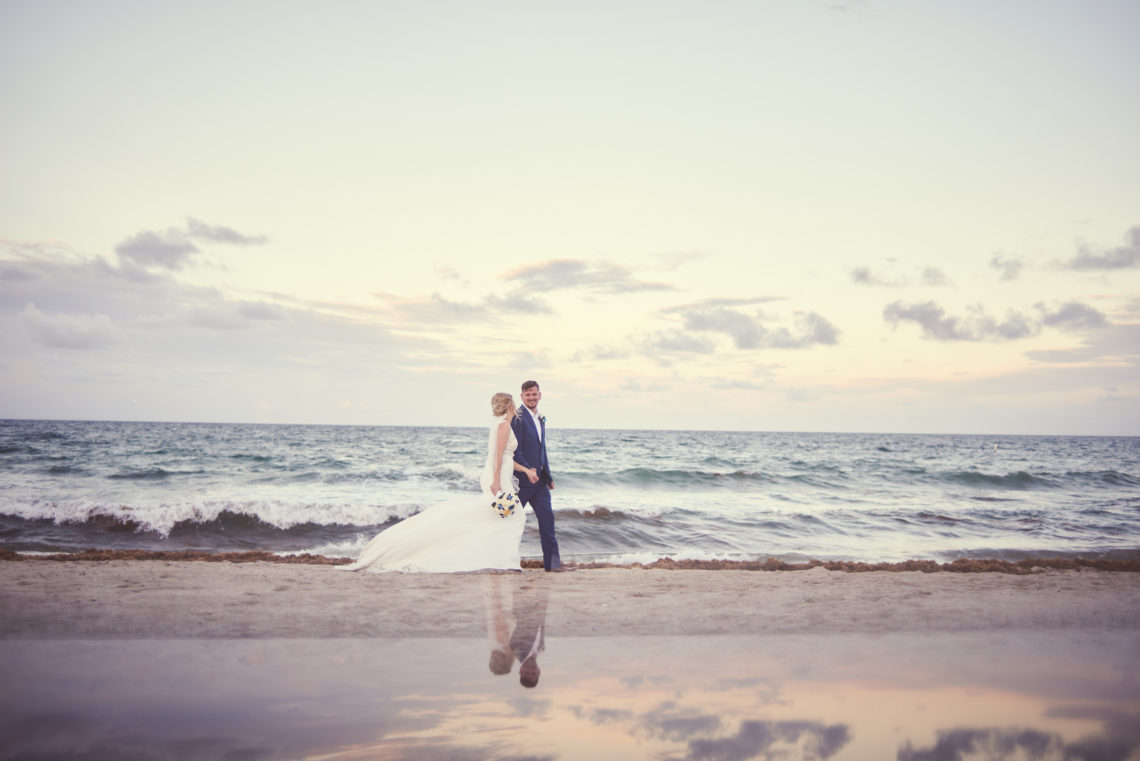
[895,216]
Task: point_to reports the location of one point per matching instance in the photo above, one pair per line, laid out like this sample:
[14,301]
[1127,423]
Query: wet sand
[164,598]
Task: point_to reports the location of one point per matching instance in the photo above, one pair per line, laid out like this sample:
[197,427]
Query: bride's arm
[531,473]
[504,431]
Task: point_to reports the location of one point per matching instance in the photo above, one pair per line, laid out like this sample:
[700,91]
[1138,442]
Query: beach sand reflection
[1014,695]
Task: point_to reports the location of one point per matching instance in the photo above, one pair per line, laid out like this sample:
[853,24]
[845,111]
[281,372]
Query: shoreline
[164,598]
[962,565]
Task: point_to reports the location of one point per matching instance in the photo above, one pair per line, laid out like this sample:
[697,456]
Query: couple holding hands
[466,533]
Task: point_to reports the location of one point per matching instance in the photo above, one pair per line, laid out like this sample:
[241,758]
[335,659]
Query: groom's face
[530,397]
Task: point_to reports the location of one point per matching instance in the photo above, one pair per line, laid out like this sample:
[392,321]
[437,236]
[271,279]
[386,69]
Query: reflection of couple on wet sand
[524,640]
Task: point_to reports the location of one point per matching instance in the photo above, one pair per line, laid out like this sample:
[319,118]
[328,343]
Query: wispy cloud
[757,331]
[446,271]
[173,248]
[771,739]
[929,276]
[677,342]
[1009,266]
[198,229]
[962,743]
[170,250]
[517,303]
[428,311]
[936,324]
[561,274]
[1112,345]
[933,276]
[1118,258]
[864,276]
[719,302]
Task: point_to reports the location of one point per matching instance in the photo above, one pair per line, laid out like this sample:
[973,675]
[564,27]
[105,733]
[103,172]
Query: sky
[911,217]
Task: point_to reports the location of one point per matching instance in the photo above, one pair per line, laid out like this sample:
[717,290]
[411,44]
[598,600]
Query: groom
[535,486]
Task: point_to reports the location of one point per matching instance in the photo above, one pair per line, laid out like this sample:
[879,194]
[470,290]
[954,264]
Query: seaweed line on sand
[962,565]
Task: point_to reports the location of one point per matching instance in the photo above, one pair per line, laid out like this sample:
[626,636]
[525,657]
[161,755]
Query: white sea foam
[163,517]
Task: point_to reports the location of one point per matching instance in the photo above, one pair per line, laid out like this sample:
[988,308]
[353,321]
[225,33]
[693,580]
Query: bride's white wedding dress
[458,534]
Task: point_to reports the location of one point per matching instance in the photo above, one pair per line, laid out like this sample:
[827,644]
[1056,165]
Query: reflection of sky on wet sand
[1014,695]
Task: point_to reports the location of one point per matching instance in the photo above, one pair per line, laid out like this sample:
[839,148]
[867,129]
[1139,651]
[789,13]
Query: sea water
[620,495]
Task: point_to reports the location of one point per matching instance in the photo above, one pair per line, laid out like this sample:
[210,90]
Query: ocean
[621,496]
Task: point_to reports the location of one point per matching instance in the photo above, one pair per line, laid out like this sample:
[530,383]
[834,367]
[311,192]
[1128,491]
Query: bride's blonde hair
[501,403]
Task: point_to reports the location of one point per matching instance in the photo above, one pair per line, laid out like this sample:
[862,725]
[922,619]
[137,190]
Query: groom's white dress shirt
[537,425]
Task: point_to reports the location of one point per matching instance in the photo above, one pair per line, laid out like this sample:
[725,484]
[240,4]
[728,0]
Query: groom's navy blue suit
[531,453]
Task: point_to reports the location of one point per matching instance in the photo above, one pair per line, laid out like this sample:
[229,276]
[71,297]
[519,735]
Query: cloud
[445,271]
[196,228]
[979,326]
[815,329]
[1072,315]
[517,303]
[559,274]
[927,276]
[669,724]
[1009,266]
[170,250]
[74,302]
[68,331]
[719,302]
[772,739]
[959,744]
[427,311]
[228,315]
[933,276]
[1121,257]
[750,332]
[1111,345]
[864,276]
[680,342]
[173,248]
[745,332]
[14,273]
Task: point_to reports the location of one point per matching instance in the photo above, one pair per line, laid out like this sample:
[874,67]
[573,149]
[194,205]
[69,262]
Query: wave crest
[1019,480]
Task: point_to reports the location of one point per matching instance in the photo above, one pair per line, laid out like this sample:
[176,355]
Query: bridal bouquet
[505,503]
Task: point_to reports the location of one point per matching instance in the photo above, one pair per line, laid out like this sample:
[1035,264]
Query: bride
[462,533]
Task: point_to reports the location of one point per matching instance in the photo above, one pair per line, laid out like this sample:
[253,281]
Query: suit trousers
[539,501]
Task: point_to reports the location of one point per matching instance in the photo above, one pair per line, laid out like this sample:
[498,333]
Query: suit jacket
[531,451]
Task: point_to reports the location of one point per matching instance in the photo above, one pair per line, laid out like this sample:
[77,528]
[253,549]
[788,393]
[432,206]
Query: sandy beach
[174,599]
[133,658]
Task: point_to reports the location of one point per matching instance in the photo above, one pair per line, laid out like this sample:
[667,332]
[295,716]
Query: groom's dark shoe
[561,569]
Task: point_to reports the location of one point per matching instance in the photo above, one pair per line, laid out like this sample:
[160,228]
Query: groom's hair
[529,384]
